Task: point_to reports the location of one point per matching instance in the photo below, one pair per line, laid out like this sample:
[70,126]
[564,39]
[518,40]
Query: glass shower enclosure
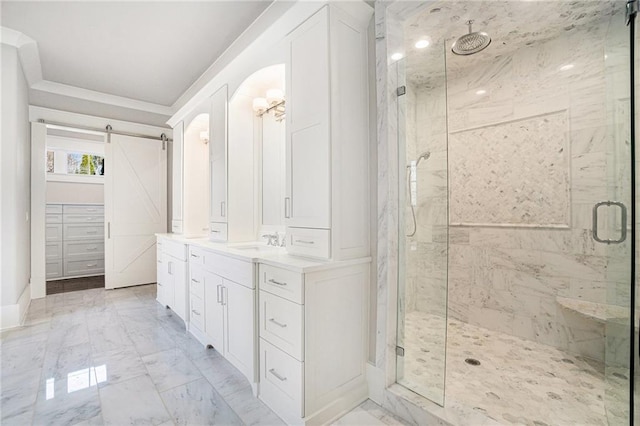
[515,181]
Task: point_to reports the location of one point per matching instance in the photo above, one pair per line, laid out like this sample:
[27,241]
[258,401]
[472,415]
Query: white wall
[15,185]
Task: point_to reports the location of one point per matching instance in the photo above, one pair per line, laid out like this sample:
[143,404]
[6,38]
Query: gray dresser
[74,240]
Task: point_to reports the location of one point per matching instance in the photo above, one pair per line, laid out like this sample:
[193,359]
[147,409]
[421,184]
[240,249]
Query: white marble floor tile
[251,410]
[58,362]
[225,378]
[22,358]
[151,340]
[109,338]
[198,403]
[118,365]
[133,402]
[67,402]
[24,335]
[170,368]
[18,396]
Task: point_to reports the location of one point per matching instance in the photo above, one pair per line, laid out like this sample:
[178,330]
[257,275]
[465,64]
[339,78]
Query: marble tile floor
[517,381]
[116,357]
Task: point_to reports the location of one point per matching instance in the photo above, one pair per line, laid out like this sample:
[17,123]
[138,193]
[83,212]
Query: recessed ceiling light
[421,44]
[566,67]
[396,56]
[481,92]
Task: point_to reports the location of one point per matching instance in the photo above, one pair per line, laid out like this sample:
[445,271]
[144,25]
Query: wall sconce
[204,136]
[274,102]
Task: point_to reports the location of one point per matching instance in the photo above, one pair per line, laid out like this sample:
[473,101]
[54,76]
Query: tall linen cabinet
[327,188]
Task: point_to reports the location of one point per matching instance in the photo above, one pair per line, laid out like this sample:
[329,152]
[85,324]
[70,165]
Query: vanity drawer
[53,208]
[83,267]
[217,231]
[174,249]
[97,210]
[83,218]
[234,270]
[196,281]
[53,232]
[196,255]
[282,324]
[84,249]
[197,312]
[281,386]
[54,218]
[53,251]
[74,231]
[309,242]
[54,269]
[282,282]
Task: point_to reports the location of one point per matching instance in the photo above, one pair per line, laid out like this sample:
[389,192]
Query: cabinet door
[169,285]
[307,202]
[177,182]
[218,156]
[161,279]
[214,311]
[180,288]
[238,304]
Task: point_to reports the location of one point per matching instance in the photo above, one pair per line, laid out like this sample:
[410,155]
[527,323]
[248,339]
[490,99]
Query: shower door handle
[623,220]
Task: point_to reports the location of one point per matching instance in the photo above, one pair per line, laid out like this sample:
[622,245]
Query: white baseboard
[13,315]
[375,379]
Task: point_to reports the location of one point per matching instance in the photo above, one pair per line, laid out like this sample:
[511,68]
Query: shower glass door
[423,227]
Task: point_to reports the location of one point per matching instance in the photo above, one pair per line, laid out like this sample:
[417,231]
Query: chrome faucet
[272,239]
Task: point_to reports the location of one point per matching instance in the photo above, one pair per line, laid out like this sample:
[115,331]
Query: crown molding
[32,68]
[99,97]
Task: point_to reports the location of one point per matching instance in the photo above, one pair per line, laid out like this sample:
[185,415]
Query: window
[84,164]
[50,162]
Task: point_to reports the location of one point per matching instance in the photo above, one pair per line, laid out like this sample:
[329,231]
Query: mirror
[264,94]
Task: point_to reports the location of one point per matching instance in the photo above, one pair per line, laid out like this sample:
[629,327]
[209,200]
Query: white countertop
[274,256]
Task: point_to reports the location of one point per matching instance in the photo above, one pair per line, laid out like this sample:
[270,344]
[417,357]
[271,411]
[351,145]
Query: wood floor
[75,284]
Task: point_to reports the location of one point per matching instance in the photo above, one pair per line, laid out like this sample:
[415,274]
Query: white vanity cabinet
[327,127]
[225,287]
[172,274]
[313,341]
[218,164]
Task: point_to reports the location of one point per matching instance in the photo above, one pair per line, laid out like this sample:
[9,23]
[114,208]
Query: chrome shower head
[471,43]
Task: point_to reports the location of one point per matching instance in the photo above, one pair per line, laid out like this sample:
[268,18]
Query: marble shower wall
[508,276]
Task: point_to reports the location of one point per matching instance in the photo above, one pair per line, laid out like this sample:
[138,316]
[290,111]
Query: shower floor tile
[516,382]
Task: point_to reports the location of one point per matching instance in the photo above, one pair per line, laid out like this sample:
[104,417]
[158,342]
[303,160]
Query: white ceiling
[146,51]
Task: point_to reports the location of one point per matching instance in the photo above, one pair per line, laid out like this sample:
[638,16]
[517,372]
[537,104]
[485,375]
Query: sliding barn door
[135,196]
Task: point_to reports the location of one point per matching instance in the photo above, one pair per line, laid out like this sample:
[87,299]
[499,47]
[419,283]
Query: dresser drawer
[282,324]
[175,249]
[84,249]
[196,281]
[196,255]
[53,251]
[217,231]
[234,270]
[54,218]
[53,208]
[281,385]
[282,282]
[76,218]
[83,267]
[74,231]
[53,232]
[54,269]
[196,314]
[309,242]
[86,209]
